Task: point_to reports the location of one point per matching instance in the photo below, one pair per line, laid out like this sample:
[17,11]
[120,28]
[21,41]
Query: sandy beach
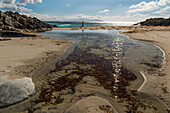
[21,57]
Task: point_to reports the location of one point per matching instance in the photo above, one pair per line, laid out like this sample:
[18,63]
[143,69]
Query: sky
[90,10]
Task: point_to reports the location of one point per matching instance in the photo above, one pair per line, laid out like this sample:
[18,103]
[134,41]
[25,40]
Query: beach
[79,57]
[25,56]
[22,57]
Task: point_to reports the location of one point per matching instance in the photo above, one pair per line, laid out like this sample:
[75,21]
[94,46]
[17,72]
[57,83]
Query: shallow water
[111,58]
[132,53]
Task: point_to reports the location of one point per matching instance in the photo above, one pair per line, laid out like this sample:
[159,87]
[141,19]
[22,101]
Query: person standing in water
[82,23]
[82,26]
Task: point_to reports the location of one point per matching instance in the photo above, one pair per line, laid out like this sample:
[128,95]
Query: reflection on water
[104,55]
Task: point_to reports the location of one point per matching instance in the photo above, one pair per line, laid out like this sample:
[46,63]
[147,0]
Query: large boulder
[13,91]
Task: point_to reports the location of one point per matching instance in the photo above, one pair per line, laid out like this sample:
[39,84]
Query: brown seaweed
[101,69]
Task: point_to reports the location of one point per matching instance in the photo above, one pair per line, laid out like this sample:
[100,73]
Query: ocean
[88,24]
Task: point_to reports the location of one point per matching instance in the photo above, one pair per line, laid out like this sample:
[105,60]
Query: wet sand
[158,85]
[21,57]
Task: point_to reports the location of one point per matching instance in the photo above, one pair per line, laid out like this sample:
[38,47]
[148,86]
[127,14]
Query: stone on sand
[13,91]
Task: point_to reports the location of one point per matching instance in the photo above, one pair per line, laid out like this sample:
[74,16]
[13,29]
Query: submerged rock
[13,91]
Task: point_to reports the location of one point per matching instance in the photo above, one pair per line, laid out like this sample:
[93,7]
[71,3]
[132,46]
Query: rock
[11,21]
[155,22]
[13,91]
[92,104]
[15,34]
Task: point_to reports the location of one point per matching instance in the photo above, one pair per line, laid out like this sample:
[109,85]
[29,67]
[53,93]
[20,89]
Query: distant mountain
[155,22]
[15,22]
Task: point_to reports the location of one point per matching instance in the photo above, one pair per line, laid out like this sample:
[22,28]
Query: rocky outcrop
[15,34]
[14,91]
[155,22]
[16,22]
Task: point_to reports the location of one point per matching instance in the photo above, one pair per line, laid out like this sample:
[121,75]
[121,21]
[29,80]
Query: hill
[13,21]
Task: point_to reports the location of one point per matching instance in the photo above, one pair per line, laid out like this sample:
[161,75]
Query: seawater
[89,24]
[132,54]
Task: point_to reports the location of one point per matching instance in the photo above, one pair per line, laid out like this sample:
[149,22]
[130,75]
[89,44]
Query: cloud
[68,5]
[9,1]
[163,10]
[13,6]
[148,6]
[30,1]
[23,9]
[143,6]
[163,2]
[10,5]
[104,11]
[42,16]
[82,17]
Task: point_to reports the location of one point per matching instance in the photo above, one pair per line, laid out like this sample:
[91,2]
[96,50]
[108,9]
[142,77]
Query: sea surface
[89,24]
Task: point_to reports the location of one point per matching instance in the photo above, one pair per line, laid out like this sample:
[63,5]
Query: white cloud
[163,2]
[23,4]
[9,1]
[160,12]
[82,17]
[31,1]
[163,10]
[143,6]
[104,11]
[148,6]
[11,7]
[68,5]
[23,9]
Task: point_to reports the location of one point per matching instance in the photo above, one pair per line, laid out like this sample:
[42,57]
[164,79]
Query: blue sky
[89,10]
